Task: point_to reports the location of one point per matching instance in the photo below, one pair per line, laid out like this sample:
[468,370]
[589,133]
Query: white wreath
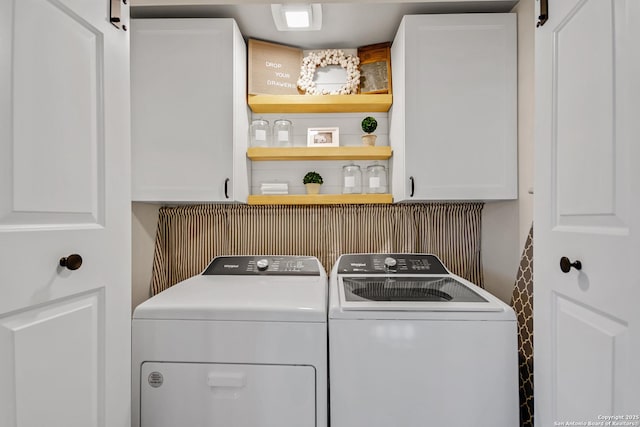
[322,59]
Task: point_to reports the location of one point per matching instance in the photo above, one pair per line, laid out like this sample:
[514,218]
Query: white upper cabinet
[453,123]
[189,111]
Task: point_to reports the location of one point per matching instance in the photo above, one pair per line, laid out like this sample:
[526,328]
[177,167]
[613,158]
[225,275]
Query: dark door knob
[566,264]
[72,262]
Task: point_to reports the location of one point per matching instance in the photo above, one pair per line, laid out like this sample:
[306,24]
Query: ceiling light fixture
[297,17]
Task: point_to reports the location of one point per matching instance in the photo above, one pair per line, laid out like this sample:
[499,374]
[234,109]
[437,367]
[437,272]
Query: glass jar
[351,179]
[282,133]
[376,179]
[259,133]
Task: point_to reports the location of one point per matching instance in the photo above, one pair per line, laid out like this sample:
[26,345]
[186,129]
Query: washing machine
[413,345]
[244,344]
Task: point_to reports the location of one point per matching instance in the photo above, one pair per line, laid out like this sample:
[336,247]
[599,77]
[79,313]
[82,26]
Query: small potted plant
[369,125]
[313,181]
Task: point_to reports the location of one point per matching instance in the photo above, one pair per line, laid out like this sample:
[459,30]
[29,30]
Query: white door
[587,208]
[64,189]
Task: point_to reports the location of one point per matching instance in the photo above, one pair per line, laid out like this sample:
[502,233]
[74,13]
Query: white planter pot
[369,139]
[313,188]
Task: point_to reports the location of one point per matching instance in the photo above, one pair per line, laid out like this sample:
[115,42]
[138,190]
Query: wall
[292,172]
[506,224]
[144,219]
[526,20]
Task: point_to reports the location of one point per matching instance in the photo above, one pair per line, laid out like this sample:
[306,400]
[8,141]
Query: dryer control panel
[390,263]
[254,265]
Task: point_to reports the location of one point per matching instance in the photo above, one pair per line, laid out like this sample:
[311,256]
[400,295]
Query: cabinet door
[587,208]
[457,112]
[64,189]
[182,109]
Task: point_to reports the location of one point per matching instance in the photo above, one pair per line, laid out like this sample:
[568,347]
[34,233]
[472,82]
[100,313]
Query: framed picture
[375,68]
[323,137]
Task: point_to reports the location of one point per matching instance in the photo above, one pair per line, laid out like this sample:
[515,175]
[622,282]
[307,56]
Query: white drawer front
[223,395]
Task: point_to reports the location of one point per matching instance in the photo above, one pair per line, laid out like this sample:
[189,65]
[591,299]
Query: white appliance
[412,345]
[243,344]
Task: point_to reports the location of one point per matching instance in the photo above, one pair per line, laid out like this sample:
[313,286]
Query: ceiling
[344,25]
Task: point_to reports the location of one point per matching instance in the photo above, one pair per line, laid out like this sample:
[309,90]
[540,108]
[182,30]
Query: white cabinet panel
[453,124]
[584,334]
[53,153]
[585,166]
[189,114]
[69,335]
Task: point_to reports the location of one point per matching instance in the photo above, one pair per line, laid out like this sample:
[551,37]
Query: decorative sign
[273,68]
[375,68]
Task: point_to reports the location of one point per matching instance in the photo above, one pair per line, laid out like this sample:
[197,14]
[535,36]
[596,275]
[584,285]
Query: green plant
[369,124]
[312,178]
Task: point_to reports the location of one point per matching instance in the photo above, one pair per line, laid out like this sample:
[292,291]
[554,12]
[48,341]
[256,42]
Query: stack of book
[274,188]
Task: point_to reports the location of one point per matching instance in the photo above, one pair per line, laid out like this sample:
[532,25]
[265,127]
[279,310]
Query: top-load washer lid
[246,288]
[404,283]
[408,289]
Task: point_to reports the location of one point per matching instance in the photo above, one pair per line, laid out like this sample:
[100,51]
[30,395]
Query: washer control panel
[390,263]
[250,265]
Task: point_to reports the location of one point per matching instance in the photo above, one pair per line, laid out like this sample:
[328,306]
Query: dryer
[413,345]
[243,344]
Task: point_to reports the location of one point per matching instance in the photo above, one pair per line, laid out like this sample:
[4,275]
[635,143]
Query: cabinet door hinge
[543,13]
[115,16]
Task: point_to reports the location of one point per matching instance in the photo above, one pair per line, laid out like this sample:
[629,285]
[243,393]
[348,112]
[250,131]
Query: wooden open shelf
[319,153]
[319,199]
[377,103]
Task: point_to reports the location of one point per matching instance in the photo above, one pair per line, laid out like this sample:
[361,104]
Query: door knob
[72,262]
[566,264]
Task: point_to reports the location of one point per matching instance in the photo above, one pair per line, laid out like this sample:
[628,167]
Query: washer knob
[390,262]
[262,264]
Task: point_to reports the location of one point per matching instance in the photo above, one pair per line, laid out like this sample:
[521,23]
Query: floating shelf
[319,199]
[378,103]
[319,153]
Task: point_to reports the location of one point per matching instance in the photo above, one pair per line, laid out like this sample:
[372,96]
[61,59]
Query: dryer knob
[390,262]
[262,264]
